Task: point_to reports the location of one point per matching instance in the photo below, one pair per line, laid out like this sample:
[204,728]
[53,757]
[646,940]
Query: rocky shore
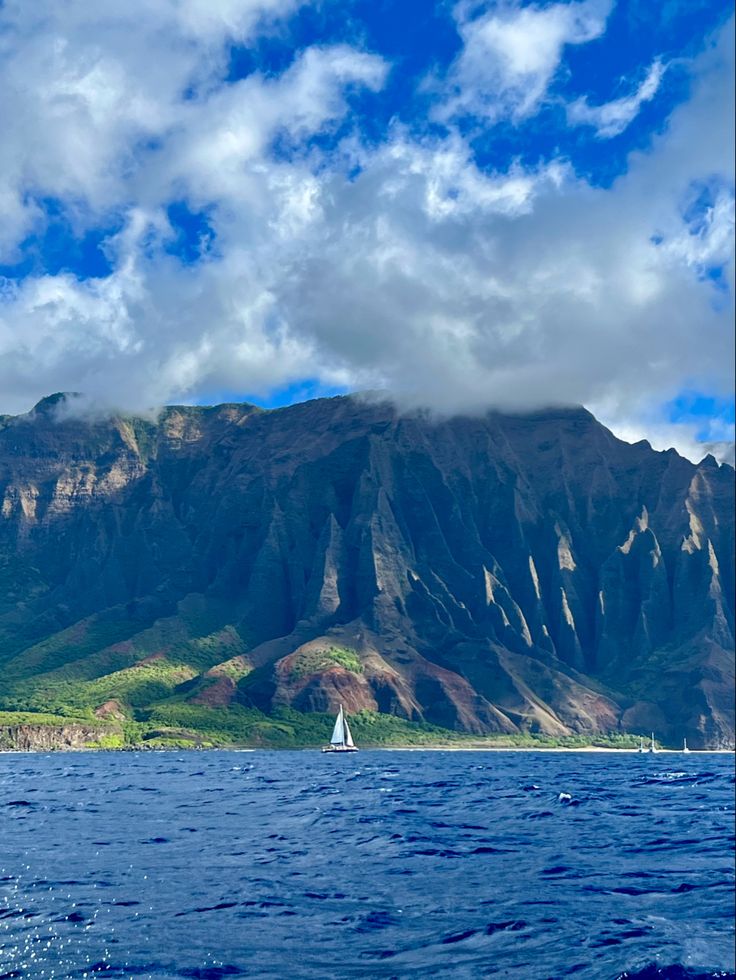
[50,738]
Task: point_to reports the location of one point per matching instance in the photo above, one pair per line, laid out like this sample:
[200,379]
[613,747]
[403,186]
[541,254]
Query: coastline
[524,748]
[239,731]
[586,749]
[22,732]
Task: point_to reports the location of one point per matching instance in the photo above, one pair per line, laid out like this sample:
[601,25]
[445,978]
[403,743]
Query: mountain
[506,573]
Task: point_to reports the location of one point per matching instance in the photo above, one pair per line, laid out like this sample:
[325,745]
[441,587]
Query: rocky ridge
[495,574]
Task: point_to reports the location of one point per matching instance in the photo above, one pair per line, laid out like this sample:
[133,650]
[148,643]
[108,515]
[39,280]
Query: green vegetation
[112,740]
[237,725]
[236,669]
[177,724]
[313,661]
[78,669]
[133,687]
[89,644]
[143,434]
[536,740]
[196,634]
[371,728]
[12,718]
[155,670]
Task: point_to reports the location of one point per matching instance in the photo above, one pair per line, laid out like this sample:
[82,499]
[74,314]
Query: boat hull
[339,748]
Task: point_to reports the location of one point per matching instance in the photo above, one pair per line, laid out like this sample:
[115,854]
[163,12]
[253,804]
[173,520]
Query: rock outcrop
[48,738]
[503,573]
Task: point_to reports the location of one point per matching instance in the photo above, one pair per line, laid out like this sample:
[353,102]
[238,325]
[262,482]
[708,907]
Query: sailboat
[684,745]
[641,745]
[653,746]
[342,739]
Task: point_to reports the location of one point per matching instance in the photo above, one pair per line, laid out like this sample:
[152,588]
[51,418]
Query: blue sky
[468,204]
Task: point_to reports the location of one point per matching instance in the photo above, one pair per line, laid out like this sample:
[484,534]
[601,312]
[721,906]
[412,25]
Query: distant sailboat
[653,745]
[684,745]
[641,745]
[342,738]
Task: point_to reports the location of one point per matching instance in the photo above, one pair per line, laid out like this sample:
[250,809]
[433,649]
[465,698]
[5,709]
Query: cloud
[511,53]
[684,437]
[612,118]
[92,91]
[399,264]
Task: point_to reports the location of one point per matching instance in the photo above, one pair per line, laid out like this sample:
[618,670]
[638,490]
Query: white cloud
[511,53]
[92,91]
[685,437]
[613,117]
[707,239]
[401,265]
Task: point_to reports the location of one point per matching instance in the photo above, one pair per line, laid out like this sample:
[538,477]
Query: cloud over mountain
[316,248]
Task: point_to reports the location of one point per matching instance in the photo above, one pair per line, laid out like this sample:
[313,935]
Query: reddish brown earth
[111,710]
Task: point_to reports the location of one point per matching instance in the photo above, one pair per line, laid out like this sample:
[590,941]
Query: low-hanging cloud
[399,265]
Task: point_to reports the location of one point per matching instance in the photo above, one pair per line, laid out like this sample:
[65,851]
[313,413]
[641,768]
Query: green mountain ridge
[515,577]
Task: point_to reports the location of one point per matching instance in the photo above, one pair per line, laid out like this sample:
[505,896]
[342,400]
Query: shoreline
[556,748]
[588,749]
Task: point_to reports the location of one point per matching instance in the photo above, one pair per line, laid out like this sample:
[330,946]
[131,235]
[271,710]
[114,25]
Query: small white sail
[342,737]
[338,732]
[348,735]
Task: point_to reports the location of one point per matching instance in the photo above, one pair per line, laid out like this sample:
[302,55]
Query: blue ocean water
[380,864]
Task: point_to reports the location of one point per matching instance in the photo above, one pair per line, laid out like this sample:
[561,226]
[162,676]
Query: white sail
[348,735]
[342,737]
[338,732]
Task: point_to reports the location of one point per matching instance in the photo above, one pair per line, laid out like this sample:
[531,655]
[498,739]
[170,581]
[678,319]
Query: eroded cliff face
[47,738]
[489,574]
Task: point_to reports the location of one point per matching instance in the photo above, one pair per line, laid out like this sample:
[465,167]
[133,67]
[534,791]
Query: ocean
[381,864]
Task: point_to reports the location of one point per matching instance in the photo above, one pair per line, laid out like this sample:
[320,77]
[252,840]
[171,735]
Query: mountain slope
[498,574]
